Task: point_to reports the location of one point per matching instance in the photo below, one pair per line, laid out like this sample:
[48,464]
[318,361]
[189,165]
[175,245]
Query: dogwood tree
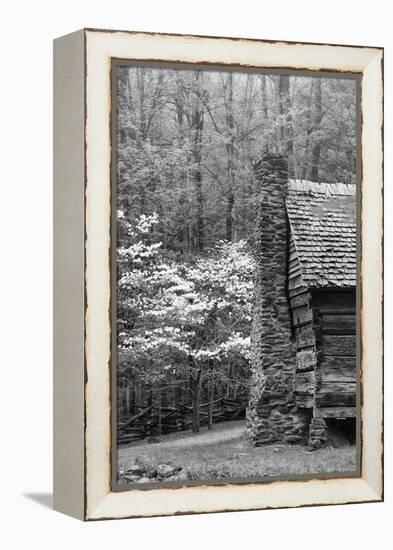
[187,318]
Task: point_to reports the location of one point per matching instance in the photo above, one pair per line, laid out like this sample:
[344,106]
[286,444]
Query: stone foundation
[272,414]
[271,424]
[318,433]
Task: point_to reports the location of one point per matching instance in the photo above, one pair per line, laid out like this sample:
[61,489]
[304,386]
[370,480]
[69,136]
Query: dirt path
[210,437]
[227,431]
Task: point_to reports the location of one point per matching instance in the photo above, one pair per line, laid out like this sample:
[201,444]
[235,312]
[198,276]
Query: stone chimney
[272,414]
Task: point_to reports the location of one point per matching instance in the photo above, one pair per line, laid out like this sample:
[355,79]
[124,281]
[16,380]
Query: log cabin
[322,300]
[304,329]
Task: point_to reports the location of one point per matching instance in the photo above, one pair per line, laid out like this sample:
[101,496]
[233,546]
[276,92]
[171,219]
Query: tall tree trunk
[283,92]
[199,235]
[128,400]
[159,413]
[290,138]
[197,124]
[305,169]
[229,215]
[316,150]
[228,388]
[265,111]
[140,78]
[196,384]
[265,115]
[180,116]
[211,400]
[286,124]
[230,147]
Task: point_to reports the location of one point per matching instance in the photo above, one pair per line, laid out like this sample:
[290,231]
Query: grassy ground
[224,452]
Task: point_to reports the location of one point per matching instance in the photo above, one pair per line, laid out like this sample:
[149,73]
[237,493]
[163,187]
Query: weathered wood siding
[304,334]
[324,325]
[335,371]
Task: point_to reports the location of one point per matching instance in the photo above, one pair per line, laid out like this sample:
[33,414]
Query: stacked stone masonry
[303,334]
[272,413]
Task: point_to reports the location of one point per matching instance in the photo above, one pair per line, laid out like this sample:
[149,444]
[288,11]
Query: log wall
[304,333]
[324,326]
[335,374]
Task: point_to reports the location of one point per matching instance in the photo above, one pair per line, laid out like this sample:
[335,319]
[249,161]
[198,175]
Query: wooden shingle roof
[322,218]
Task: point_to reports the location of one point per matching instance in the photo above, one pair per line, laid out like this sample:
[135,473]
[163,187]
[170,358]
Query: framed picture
[218,274]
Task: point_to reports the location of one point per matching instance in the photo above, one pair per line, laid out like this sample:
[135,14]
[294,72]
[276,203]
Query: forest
[187,142]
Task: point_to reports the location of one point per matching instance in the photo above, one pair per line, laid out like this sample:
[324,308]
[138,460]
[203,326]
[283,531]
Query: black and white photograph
[235,308]
[197,275]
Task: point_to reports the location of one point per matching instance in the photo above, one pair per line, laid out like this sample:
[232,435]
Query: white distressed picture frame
[82,245]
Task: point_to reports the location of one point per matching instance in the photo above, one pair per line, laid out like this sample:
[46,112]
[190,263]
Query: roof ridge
[307,186]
